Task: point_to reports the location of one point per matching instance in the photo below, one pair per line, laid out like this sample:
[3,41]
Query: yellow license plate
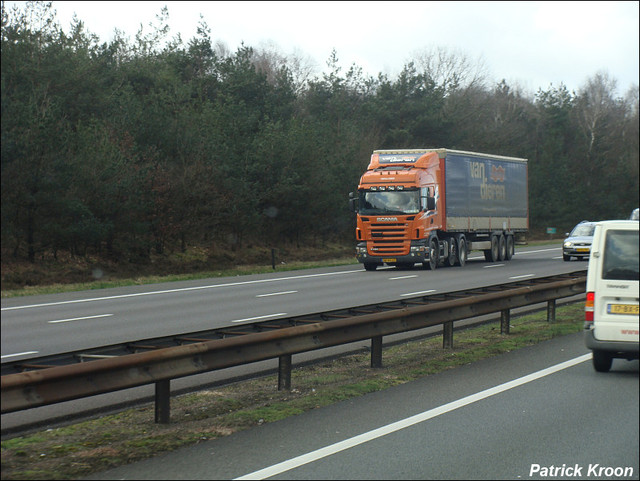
[622,309]
[582,250]
[391,259]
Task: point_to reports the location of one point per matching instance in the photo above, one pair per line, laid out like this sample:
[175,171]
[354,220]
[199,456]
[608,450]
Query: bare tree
[608,125]
[451,70]
[596,101]
[221,49]
[302,68]
[268,59]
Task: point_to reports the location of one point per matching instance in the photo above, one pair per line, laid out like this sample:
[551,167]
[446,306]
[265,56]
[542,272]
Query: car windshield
[583,230]
[390,202]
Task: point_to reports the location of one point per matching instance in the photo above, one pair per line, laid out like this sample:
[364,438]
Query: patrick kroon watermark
[593,470]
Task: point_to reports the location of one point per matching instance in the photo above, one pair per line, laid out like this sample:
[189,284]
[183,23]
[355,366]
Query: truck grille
[389,239]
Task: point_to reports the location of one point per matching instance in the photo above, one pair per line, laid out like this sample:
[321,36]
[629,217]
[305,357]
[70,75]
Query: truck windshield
[390,202]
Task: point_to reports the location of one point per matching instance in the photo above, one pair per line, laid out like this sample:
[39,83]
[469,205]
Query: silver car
[578,241]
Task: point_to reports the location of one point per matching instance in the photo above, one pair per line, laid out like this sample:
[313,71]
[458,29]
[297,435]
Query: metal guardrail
[52,385]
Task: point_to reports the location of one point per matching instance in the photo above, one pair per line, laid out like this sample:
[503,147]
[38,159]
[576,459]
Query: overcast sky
[531,44]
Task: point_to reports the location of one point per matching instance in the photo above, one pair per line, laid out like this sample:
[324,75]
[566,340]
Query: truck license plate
[622,309]
[391,259]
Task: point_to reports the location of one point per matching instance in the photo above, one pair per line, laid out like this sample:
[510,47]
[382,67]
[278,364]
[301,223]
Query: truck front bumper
[418,253]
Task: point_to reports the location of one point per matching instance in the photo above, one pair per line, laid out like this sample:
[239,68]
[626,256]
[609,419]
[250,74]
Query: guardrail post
[284,372]
[376,351]
[551,310]
[447,335]
[505,318]
[162,400]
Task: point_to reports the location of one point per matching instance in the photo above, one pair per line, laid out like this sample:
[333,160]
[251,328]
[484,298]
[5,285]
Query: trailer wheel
[502,248]
[462,251]
[433,255]
[491,255]
[510,247]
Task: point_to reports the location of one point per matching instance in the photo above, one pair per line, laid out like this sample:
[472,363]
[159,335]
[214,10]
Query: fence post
[447,335]
[505,319]
[284,372]
[162,402]
[376,351]
[551,310]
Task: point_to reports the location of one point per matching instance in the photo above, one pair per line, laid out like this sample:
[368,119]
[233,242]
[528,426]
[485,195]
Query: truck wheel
[452,259]
[433,255]
[502,248]
[511,248]
[602,361]
[462,251]
[492,254]
[370,267]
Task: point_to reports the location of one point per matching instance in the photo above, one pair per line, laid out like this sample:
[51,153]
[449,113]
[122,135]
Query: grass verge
[75,451]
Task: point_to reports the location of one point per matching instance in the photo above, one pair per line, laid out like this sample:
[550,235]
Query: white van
[611,308]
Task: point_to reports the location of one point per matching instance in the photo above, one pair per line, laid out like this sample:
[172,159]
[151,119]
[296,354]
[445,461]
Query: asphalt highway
[40,325]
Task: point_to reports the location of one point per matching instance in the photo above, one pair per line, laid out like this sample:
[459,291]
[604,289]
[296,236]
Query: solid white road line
[79,318]
[408,422]
[417,293]
[261,317]
[276,293]
[25,353]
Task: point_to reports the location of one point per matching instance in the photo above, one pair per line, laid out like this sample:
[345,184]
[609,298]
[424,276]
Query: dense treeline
[151,145]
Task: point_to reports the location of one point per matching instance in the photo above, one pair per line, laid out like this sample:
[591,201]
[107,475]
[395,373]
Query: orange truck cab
[433,206]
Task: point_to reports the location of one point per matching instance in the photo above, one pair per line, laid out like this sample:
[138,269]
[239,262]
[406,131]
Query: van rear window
[621,260]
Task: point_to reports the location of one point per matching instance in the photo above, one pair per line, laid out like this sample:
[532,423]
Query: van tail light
[588,307]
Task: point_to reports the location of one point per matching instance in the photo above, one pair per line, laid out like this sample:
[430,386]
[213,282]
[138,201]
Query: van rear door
[616,293]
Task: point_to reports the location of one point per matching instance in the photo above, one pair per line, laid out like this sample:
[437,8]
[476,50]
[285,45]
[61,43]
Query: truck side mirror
[353,202]
[431,203]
